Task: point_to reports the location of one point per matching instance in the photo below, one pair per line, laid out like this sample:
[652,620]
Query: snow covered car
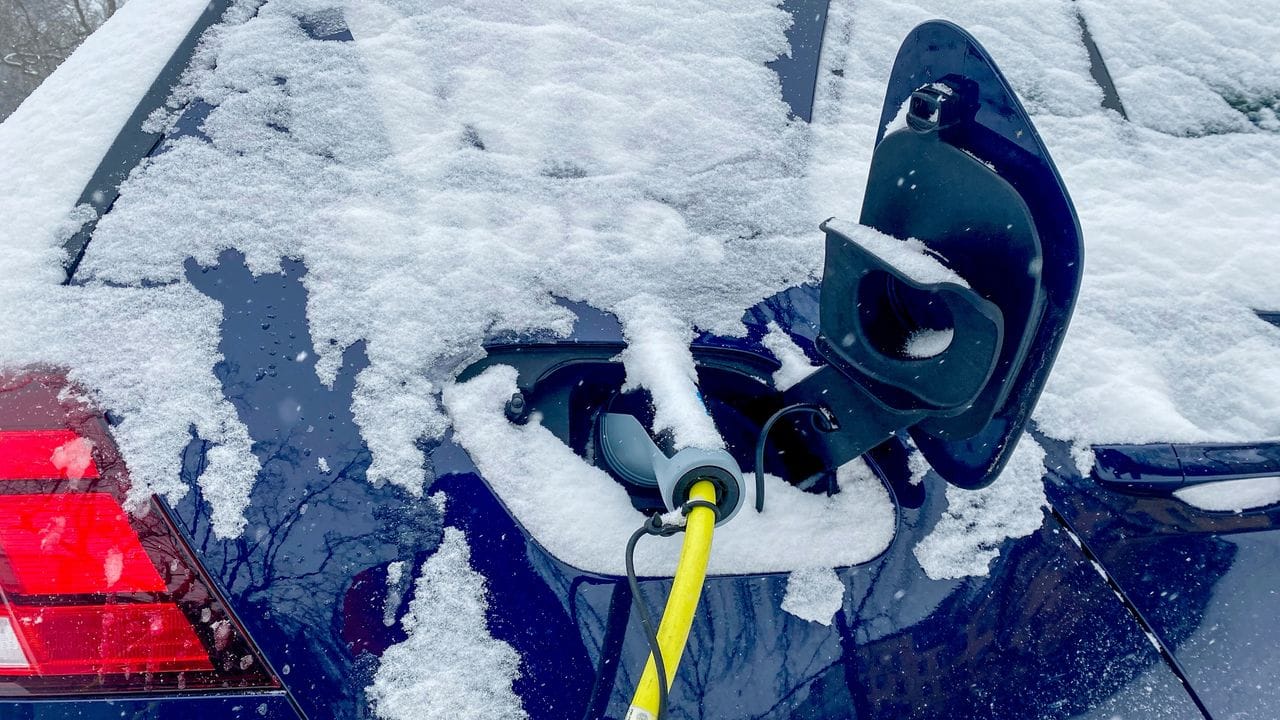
[350,353]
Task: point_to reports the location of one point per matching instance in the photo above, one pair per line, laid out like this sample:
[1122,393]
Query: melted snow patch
[1232,495]
[113,566]
[969,534]
[449,666]
[1083,458]
[542,481]
[917,465]
[814,594]
[395,591]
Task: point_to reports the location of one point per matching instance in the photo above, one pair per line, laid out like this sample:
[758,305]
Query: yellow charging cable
[686,589]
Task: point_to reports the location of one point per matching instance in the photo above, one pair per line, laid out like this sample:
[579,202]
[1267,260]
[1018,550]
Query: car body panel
[1204,582]
[317,542]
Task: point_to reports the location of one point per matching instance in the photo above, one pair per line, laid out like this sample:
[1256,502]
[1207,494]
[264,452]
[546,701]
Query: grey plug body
[631,452]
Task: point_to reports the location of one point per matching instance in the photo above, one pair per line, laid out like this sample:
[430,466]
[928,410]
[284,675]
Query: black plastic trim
[1098,69]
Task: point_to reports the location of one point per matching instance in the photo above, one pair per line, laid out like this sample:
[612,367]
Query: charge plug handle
[628,450]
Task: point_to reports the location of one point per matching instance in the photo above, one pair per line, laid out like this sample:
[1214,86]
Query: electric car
[1122,601]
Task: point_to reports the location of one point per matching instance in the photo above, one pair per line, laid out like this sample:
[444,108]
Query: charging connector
[629,451]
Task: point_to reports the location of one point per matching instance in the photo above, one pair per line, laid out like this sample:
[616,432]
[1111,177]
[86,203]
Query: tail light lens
[93,598]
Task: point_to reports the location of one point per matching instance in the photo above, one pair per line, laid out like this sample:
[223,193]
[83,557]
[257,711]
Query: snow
[976,522]
[910,257]
[53,142]
[395,592]
[928,343]
[795,364]
[448,666]
[107,337]
[73,457]
[685,187]
[658,358]
[1232,495]
[1201,68]
[1179,232]
[460,166]
[814,594]
[542,482]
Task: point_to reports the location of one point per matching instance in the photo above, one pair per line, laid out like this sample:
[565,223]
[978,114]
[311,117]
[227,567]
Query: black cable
[764,438]
[689,505]
[653,526]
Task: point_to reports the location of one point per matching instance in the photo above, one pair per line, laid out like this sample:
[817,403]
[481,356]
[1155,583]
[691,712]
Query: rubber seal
[728,488]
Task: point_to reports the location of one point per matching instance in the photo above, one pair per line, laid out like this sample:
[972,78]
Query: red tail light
[45,455]
[93,598]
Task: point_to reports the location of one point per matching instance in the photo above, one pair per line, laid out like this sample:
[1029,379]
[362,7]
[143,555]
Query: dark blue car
[342,598]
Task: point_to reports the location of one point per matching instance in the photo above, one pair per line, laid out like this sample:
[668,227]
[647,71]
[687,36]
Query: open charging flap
[959,167]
